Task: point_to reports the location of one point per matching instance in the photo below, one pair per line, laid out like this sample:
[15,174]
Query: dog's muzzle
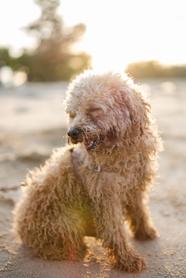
[74,134]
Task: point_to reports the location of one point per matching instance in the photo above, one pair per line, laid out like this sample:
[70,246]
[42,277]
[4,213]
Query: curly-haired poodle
[91,187]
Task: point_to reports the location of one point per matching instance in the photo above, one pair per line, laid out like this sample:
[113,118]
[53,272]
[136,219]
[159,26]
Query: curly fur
[62,204]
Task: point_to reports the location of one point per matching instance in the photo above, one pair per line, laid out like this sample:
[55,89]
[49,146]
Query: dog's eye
[71,115]
[96,112]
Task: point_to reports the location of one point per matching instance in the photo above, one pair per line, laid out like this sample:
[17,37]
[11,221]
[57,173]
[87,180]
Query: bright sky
[118,31]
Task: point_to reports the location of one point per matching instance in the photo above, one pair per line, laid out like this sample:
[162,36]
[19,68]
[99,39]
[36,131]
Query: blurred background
[46,43]
[53,40]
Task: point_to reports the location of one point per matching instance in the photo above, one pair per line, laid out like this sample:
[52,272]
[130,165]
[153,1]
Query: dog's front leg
[139,219]
[110,226]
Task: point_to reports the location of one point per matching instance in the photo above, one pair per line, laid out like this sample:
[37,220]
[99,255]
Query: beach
[33,123]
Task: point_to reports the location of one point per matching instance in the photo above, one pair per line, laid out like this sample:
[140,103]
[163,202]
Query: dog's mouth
[91,145]
[76,136]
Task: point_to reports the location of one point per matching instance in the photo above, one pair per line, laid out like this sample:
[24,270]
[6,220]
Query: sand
[32,123]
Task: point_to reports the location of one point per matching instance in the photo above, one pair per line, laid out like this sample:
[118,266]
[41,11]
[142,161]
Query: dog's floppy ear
[136,111]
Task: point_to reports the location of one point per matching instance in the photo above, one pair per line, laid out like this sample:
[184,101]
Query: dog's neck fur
[102,159]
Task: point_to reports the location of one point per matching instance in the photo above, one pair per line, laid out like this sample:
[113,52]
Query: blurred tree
[146,69]
[53,58]
[49,28]
[6,59]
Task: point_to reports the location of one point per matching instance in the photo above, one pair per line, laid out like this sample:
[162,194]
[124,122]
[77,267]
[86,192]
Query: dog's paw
[133,264]
[146,233]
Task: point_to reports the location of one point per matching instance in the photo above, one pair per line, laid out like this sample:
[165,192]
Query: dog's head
[104,110]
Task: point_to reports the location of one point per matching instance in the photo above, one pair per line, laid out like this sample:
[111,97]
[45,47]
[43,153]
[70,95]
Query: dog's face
[99,109]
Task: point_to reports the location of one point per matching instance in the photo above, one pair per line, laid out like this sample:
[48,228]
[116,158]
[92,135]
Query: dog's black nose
[74,133]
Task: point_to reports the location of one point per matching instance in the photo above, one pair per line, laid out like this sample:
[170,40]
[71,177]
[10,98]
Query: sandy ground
[32,123]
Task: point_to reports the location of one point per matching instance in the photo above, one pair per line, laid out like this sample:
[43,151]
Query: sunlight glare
[6,76]
[19,78]
[118,31]
[121,32]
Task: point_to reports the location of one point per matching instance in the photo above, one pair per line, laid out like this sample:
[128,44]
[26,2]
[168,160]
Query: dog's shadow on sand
[95,264]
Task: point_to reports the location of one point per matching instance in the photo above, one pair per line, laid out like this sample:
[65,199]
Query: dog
[100,180]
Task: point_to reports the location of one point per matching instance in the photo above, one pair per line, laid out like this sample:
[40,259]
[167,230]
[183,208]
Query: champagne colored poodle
[99,181]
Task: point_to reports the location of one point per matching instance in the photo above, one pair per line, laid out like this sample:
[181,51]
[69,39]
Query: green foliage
[49,66]
[146,69]
[6,59]
[53,59]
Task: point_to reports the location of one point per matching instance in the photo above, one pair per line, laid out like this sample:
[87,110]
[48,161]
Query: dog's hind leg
[52,230]
[47,219]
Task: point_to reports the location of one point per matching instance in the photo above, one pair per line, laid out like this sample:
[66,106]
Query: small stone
[165,213]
